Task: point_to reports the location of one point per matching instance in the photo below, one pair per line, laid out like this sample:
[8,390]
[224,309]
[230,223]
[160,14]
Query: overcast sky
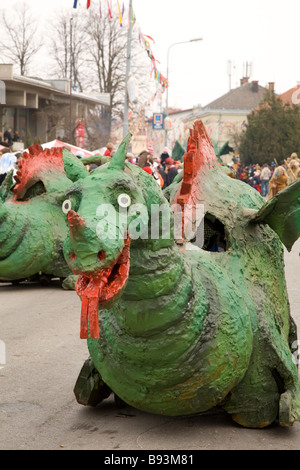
[262,33]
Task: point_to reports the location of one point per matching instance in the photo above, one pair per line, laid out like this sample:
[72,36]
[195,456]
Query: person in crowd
[255,181]
[264,179]
[178,165]
[8,136]
[19,157]
[109,149]
[244,174]
[163,175]
[145,157]
[278,181]
[258,168]
[16,136]
[3,141]
[293,171]
[293,167]
[171,170]
[129,157]
[165,154]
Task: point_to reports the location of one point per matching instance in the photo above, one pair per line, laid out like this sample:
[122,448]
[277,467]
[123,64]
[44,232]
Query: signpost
[158,121]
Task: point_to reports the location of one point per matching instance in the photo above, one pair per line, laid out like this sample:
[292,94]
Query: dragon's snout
[75,221]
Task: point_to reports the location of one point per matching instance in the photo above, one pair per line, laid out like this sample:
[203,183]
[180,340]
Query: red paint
[98,289]
[199,156]
[36,163]
[75,220]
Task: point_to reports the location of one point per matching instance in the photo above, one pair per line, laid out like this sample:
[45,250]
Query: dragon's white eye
[124,200]
[66,206]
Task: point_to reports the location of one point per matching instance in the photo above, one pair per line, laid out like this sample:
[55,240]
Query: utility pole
[128,59]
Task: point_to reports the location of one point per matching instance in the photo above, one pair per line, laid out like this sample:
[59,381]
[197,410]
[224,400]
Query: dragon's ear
[118,159]
[282,214]
[73,166]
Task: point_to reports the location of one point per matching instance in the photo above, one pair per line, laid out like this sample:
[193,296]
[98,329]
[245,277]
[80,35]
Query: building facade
[42,109]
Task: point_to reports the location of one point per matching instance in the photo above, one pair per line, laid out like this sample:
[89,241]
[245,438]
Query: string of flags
[157,75]
[144,39]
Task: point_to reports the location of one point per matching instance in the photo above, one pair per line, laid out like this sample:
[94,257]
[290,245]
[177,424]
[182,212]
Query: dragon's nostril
[101,255]
[72,256]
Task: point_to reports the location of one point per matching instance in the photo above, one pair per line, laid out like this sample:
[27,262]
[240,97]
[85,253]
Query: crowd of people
[163,168]
[267,179]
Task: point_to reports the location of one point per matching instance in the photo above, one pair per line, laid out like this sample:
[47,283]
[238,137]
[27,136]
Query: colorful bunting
[109,10]
[157,75]
[120,14]
[143,38]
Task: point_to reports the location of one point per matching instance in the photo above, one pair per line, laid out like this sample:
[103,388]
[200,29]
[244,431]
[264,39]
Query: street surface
[39,327]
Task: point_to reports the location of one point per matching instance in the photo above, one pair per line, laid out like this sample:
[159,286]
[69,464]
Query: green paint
[32,224]
[192,329]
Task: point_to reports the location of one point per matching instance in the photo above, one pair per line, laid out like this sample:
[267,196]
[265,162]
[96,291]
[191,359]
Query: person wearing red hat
[150,149]
[171,170]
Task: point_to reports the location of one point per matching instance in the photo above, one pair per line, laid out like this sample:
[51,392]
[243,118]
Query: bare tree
[92,49]
[107,59]
[18,37]
[67,48]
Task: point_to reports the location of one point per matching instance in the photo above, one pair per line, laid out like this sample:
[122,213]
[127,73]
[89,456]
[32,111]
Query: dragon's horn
[3,209]
[118,159]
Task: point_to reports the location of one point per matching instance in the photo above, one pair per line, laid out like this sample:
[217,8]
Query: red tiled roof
[291,96]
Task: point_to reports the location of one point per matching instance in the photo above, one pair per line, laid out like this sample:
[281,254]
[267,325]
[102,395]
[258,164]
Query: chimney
[244,80]
[271,86]
[254,86]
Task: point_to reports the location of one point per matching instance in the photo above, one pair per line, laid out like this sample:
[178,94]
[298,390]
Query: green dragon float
[179,324]
[33,227]
[178,331]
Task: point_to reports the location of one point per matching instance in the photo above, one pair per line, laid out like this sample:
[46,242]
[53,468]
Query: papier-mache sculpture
[32,225]
[173,328]
[180,317]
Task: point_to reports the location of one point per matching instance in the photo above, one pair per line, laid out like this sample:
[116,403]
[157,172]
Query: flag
[75,4]
[109,10]
[120,14]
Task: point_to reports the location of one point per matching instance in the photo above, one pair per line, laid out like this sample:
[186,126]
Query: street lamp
[167,95]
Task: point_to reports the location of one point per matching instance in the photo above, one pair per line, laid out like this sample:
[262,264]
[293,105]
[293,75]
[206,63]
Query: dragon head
[107,212]
[32,226]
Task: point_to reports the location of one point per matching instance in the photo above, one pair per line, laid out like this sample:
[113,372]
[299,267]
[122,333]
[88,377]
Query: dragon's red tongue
[90,291]
[100,288]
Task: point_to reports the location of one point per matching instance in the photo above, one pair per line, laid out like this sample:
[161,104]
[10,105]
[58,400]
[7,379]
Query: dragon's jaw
[99,288]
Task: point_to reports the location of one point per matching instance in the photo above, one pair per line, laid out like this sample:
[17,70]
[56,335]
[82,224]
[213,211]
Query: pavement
[39,327]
